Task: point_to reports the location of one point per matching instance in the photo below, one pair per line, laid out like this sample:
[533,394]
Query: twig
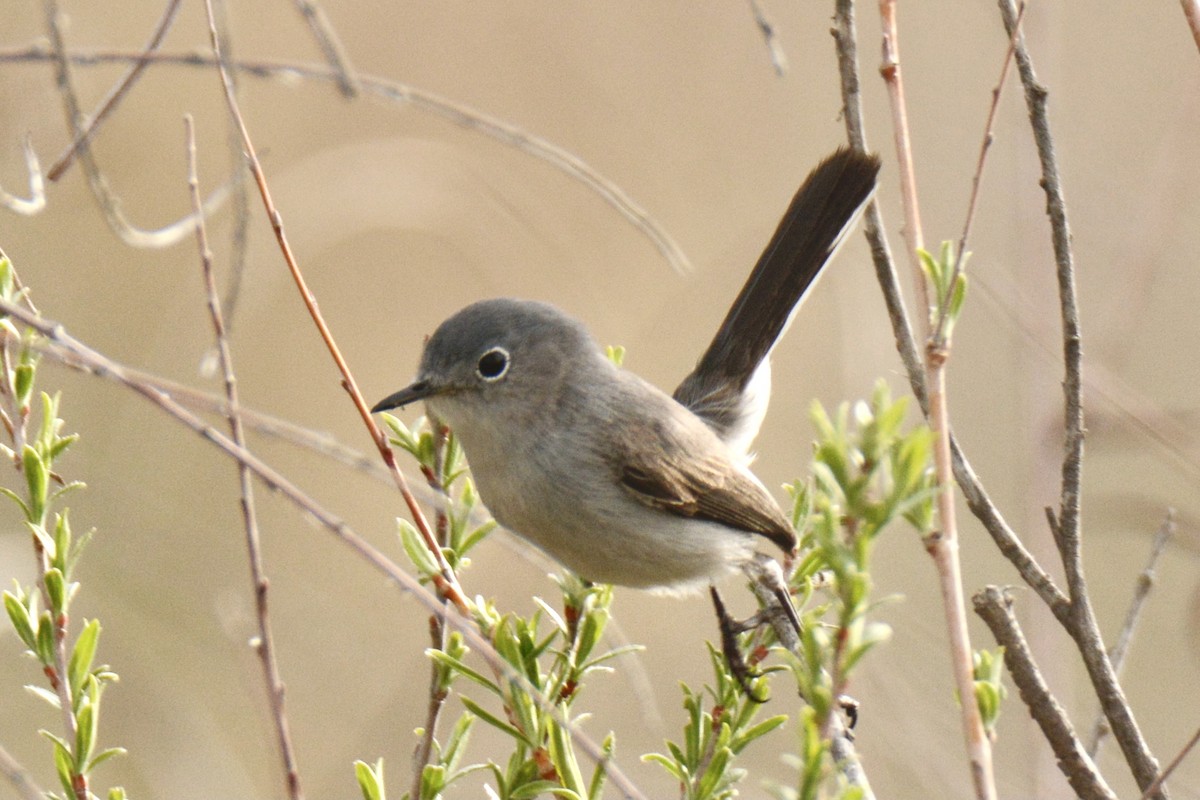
[19,777]
[456,113]
[110,205]
[770,38]
[266,640]
[994,606]
[37,187]
[84,135]
[939,330]
[942,544]
[1175,762]
[239,203]
[1145,582]
[446,580]
[108,369]
[894,80]
[1191,12]
[1083,626]
[973,490]
[437,622]
[331,48]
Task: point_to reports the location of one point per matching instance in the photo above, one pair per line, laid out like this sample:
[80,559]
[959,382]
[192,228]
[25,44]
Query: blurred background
[399,217]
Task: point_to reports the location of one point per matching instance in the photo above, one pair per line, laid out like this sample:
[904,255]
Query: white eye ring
[493,365]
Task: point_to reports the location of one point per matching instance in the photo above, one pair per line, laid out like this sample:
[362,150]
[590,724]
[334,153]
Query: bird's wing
[705,489]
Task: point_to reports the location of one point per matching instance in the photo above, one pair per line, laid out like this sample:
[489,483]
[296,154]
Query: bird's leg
[730,628]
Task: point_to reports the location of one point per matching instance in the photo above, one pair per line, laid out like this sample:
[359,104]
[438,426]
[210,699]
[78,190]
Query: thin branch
[1145,582]
[19,777]
[265,645]
[84,135]
[446,580]
[1191,12]
[942,544]
[331,48]
[894,80]
[1175,762]
[978,501]
[456,113]
[110,205]
[239,203]
[37,186]
[108,369]
[845,38]
[994,606]
[939,331]
[1083,626]
[770,38]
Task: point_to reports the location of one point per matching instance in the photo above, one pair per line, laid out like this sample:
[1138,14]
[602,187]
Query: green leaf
[21,621]
[45,639]
[494,721]
[117,793]
[16,498]
[757,731]
[87,723]
[44,694]
[83,654]
[599,775]
[105,755]
[461,668]
[37,480]
[537,788]
[63,764]
[370,779]
[56,589]
[674,767]
[414,546]
[23,375]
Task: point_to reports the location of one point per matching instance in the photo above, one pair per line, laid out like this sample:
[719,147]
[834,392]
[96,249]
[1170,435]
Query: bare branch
[893,79]
[19,777]
[110,205]
[939,330]
[994,606]
[1141,591]
[122,87]
[410,97]
[770,38]
[265,645]
[37,187]
[942,545]
[978,501]
[446,581]
[331,48]
[1175,762]
[1083,626]
[1191,12]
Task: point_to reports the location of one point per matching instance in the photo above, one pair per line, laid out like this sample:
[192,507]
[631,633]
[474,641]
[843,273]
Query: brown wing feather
[708,489]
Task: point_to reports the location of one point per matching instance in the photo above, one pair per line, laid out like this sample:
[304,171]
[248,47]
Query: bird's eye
[493,364]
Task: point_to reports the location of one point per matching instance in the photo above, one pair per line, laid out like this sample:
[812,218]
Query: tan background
[400,218]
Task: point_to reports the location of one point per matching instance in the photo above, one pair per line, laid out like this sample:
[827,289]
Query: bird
[609,475]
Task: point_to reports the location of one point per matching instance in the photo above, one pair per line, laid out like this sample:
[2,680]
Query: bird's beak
[409,394]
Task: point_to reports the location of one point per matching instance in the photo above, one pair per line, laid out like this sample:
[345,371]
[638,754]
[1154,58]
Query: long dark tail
[824,208]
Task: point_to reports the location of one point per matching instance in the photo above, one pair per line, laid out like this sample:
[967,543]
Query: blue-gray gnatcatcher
[612,477]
